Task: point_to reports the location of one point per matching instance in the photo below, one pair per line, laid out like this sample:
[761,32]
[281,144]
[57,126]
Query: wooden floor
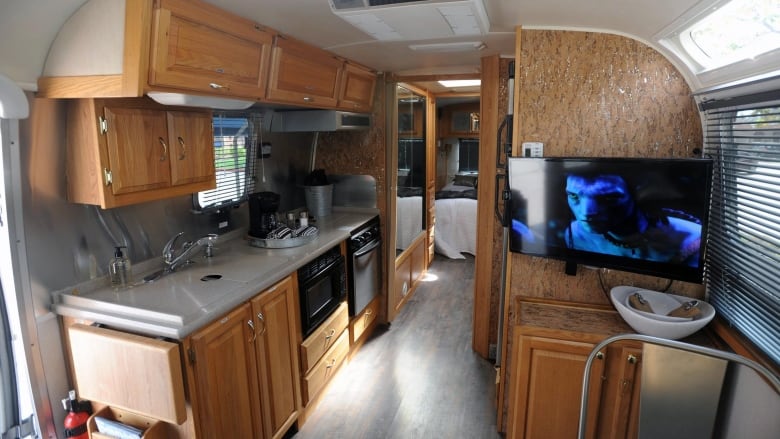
[419,377]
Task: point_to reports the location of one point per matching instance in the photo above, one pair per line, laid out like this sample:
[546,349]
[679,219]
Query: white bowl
[658,325]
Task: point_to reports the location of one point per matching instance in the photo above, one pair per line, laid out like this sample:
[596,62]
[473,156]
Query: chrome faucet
[175,258]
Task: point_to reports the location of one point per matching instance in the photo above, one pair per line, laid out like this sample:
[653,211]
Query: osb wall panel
[360,152]
[599,95]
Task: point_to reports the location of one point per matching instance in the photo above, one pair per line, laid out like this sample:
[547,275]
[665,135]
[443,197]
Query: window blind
[742,267]
[236,143]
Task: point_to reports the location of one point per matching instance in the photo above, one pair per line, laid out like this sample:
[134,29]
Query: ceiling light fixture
[454,83]
[465,46]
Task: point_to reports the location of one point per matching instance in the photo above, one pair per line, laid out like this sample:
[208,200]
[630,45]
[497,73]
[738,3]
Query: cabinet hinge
[191,355]
[103,124]
[108,176]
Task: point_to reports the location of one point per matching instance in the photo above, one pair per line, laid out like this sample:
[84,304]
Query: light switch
[533,149]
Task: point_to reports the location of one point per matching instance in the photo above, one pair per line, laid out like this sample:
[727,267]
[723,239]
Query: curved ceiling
[27,28]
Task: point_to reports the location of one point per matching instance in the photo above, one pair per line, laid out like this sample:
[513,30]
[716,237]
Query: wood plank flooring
[417,378]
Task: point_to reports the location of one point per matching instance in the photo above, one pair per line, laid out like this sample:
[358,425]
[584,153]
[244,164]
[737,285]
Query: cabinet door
[548,388]
[137,141]
[275,312]
[303,74]
[191,147]
[619,412]
[197,46]
[357,88]
[228,403]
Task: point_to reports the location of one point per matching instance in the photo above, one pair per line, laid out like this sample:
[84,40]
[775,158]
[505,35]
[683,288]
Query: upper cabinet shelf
[196,48]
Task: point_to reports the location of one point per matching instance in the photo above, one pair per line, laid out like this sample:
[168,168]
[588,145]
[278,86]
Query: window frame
[232,190]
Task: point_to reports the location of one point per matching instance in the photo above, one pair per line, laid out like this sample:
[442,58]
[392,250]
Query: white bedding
[456,227]
[408,220]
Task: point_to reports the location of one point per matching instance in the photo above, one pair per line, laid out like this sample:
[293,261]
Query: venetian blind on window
[237,140]
[742,267]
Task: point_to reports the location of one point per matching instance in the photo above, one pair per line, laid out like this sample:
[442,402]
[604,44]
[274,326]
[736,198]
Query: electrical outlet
[533,149]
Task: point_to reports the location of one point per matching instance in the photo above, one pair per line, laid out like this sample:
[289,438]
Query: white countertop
[181,302]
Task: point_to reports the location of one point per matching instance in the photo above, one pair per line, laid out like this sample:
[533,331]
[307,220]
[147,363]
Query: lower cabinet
[323,352]
[243,368]
[547,389]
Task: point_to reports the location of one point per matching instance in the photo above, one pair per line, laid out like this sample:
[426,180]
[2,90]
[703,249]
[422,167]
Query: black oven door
[321,295]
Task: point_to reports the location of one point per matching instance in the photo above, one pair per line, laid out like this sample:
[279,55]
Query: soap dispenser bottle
[119,269]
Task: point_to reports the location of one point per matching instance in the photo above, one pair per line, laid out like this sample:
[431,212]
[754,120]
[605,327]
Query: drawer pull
[254,334]
[261,317]
[332,363]
[308,99]
[183,149]
[165,149]
[330,335]
[216,86]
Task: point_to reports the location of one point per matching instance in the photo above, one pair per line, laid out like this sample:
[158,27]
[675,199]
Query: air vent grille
[353,4]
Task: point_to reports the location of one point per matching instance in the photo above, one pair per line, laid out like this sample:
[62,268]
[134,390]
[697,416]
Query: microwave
[322,286]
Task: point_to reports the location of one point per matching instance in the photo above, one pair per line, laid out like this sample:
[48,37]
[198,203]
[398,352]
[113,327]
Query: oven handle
[366,249]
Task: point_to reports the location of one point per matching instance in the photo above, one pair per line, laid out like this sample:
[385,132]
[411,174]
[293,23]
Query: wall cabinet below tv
[127,151]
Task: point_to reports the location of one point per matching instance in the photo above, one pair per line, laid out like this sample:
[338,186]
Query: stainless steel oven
[323,286]
[365,266]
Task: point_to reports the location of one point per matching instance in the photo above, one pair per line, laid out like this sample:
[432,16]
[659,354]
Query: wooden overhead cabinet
[303,75]
[200,47]
[357,88]
[167,45]
[127,151]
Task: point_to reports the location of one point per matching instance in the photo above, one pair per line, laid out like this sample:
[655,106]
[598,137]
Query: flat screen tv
[639,215]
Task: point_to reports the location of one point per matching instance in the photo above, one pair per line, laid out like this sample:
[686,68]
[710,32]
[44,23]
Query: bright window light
[463,82]
[741,29]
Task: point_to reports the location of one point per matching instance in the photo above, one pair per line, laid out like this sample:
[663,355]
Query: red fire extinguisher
[78,414]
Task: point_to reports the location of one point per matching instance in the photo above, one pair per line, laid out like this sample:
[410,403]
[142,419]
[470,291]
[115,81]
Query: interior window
[468,155]
[235,146]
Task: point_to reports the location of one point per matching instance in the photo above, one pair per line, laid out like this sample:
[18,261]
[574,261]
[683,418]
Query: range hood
[319,120]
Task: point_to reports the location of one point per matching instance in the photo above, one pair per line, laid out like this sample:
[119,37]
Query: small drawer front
[319,375]
[323,337]
[364,320]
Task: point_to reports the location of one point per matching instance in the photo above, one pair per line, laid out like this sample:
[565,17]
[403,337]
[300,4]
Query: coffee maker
[262,213]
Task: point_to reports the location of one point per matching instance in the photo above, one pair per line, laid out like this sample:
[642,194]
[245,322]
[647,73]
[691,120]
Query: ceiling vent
[403,20]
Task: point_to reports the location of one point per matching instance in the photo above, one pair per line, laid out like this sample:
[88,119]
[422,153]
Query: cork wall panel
[598,95]
[361,153]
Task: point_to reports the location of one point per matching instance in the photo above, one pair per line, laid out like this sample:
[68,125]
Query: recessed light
[454,83]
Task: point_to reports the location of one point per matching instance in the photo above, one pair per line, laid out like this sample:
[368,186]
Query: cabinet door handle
[183,148]
[165,149]
[261,317]
[216,86]
[254,334]
[631,359]
[599,355]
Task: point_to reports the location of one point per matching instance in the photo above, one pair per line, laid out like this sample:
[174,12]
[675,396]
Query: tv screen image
[640,215]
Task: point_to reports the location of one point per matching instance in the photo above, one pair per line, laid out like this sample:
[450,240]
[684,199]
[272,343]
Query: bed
[456,221]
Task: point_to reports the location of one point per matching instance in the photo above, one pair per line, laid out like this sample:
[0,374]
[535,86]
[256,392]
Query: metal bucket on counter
[319,199]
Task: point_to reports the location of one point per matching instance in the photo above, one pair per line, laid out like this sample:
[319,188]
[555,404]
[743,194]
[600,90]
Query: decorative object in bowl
[655,321]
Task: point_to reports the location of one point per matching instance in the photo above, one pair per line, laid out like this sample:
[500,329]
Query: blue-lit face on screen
[599,203]
[607,220]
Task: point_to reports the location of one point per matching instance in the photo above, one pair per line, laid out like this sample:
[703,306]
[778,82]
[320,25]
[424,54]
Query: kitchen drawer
[319,375]
[364,319]
[323,337]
